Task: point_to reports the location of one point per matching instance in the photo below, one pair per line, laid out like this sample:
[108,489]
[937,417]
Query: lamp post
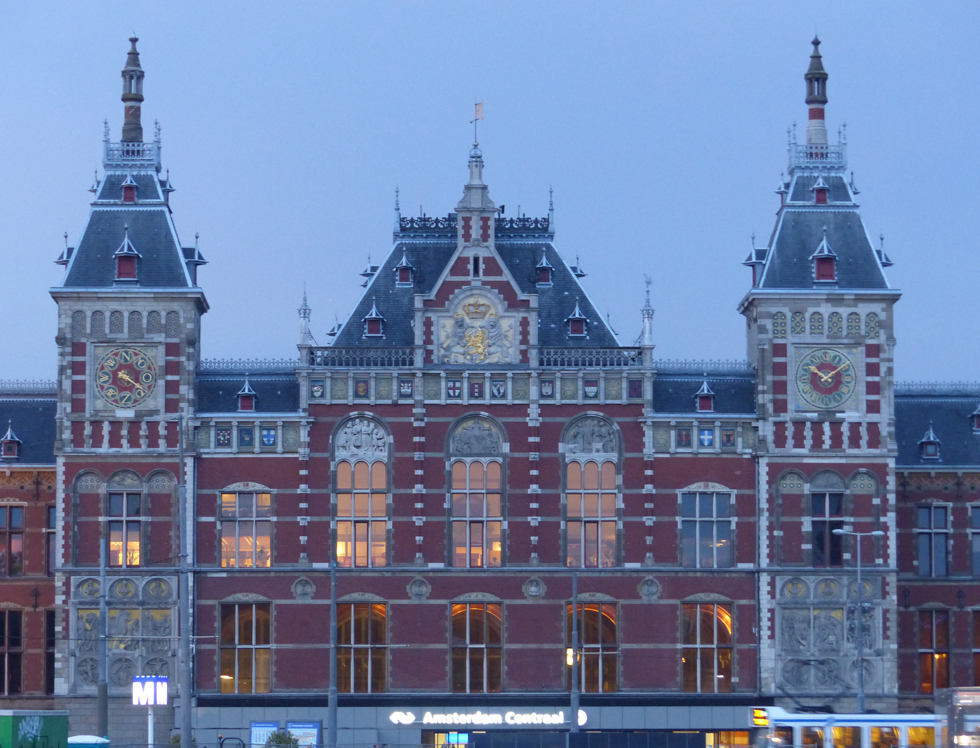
[860,617]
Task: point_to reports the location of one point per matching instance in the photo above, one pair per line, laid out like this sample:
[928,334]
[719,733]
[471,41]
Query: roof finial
[398,211]
[816,97]
[105,131]
[477,116]
[132,95]
[551,211]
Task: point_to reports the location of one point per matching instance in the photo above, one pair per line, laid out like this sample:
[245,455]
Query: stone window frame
[933,648]
[377,652]
[716,490]
[238,490]
[593,652]
[932,535]
[483,649]
[236,647]
[716,601]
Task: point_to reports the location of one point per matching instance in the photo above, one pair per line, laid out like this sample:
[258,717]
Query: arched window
[835,324]
[125,512]
[77,324]
[362,513]
[826,515]
[154,323]
[779,325]
[476,513]
[590,500]
[362,636]
[798,323]
[136,324]
[476,648]
[816,323]
[598,647]
[853,324]
[98,323]
[706,654]
[706,529]
[173,325]
[116,323]
[246,648]
[871,325]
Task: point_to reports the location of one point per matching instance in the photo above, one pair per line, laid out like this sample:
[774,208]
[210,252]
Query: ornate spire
[398,212]
[816,97]
[304,320]
[132,95]
[646,339]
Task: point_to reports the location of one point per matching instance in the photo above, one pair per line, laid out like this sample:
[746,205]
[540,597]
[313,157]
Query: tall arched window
[706,654]
[598,647]
[362,636]
[476,647]
[361,513]
[816,323]
[590,499]
[476,513]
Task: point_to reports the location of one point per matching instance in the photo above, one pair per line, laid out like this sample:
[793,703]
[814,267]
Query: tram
[813,730]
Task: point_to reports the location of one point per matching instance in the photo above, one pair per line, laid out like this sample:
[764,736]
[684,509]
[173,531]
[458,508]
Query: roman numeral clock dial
[825,378]
[126,377]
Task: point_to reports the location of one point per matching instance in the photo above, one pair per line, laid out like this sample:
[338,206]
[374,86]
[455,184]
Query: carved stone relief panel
[591,435]
[477,331]
[361,437]
[475,436]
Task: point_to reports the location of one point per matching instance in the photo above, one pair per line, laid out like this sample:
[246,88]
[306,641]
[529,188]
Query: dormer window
[403,273]
[929,445]
[246,397]
[824,262]
[976,420]
[705,398]
[577,323]
[476,266]
[129,190]
[126,259]
[373,322]
[9,444]
[820,192]
[544,273]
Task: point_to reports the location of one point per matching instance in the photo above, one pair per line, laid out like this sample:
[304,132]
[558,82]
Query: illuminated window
[12,541]
[361,513]
[932,525]
[125,529]
[706,530]
[706,657]
[884,737]
[826,515]
[476,648]
[476,511]
[246,530]
[246,653]
[598,649]
[590,500]
[361,648]
[933,650]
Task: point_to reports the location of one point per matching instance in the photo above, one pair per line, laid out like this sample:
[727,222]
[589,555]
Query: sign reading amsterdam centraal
[496,718]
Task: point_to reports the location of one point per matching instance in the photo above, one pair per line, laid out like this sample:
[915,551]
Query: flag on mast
[479,112]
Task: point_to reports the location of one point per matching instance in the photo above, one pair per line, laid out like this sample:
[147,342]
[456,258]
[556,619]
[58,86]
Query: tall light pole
[860,616]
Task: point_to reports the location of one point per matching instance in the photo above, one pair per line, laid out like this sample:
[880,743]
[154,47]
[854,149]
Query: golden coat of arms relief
[476,334]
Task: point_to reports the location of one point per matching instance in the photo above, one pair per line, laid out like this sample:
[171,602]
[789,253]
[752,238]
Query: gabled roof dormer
[577,323]
[9,444]
[369,272]
[129,189]
[821,191]
[929,445]
[404,272]
[246,397]
[544,273]
[705,398]
[127,268]
[824,262]
[373,322]
[975,418]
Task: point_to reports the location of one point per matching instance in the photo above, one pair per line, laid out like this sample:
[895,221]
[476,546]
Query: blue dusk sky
[660,126]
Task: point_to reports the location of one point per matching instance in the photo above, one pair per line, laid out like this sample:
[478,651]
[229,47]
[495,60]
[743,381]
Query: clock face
[825,378]
[126,377]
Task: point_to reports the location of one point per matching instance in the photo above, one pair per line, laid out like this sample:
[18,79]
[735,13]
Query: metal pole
[149,725]
[576,671]
[332,693]
[185,601]
[102,697]
[860,631]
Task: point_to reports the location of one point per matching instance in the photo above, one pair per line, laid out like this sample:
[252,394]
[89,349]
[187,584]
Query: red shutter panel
[126,267]
[825,270]
[129,193]
[821,197]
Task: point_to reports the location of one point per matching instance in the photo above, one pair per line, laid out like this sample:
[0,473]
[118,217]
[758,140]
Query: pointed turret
[132,95]
[816,97]
[476,210]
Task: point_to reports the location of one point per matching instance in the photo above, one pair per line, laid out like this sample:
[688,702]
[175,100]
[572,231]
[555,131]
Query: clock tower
[129,321]
[820,333]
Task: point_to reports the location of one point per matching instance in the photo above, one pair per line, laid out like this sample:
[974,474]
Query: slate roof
[675,393]
[32,419]
[429,256]
[147,187]
[217,392]
[949,410]
[152,234]
[800,189]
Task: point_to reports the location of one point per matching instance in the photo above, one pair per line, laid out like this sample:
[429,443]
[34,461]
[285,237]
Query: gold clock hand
[839,368]
[126,378]
[823,377]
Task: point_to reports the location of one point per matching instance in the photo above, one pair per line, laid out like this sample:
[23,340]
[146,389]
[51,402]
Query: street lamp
[860,616]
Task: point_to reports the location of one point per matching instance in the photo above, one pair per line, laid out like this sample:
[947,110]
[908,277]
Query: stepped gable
[131,199]
[32,418]
[818,202]
[432,247]
[949,409]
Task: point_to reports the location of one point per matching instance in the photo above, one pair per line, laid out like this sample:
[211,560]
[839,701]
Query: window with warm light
[598,647]
[362,505]
[362,648]
[706,530]
[706,654]
[12,541]
[477,515]
[477,640]
[125,529]
[590,503]
[246,530]
[246,648]
[933,650]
